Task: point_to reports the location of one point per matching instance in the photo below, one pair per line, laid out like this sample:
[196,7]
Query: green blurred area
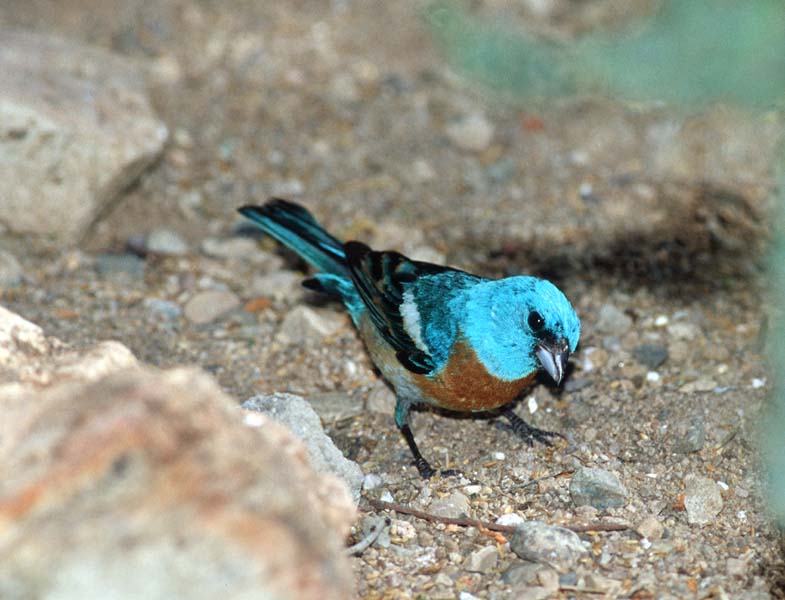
[691,54]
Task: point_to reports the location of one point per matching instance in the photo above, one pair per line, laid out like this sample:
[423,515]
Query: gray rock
[650,528]
[598,488]
[279,285]
[702,499]
[120,266]
[166,241]
[690,438]
[651,355]
[548,544]
[453,505]
[683,331]
[76,128]
[372,481]
[521,573]
[10,270]
[482,561]
[702,384]
[208,305]
[303,323]
[162,309]
[573,384]
[295,412]
[612,321]
[473,133]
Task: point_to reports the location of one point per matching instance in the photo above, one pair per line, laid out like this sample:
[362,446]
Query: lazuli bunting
[439,335]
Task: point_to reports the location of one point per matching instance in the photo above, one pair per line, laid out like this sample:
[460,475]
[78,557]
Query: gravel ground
[327,104]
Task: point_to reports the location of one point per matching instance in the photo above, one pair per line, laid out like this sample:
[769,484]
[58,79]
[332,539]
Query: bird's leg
[402,420]
[526,432]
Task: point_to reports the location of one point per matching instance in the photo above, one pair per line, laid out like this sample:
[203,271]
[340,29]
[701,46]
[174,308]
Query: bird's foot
[427,471]
[528,433]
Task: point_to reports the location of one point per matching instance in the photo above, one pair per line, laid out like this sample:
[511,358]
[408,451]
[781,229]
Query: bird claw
[530,434]
[427,471]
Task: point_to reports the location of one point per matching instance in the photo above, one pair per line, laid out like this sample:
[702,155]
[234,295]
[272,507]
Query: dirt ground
[347,107]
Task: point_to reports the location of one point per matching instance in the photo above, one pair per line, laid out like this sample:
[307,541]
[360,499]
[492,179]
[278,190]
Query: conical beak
[553,358]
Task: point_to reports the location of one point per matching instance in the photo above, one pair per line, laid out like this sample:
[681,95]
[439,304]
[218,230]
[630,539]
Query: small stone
[295,413]
[651,355]
[381,399]
[208,305]
[234,247]
[702,499]
[162,309]
[510,519]
[570,578]
[482,561]
[10,270]
[473,133]
[650,528]
[521,573]
[279,285]
[453,505]
[577,383]
[165,241]
[704,384]
[683,331]
[120,266]
[598,488]
[679,351]
[402,530]
[303,323]
[549,544]
[691,438]
[611,320]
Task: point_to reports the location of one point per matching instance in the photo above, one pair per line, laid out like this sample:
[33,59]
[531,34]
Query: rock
[703,384]
[650,528]
[702,499]
[334,406]
[30,359]
[651,355]
[612,321]
[482,561]
[690,438]
[162,309]
[208,305]
[295,413]
[453,505]
[76,128]
[10,270]
[381,399]
[302,324]
[166,241]
[683,331]
[548,544]
[473,133]
[147,485]
[372,481]
[521,573]
[598,488]
[242,248]
[120,267]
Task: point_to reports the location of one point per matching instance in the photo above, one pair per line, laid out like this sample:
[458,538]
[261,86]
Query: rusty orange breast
[465,384]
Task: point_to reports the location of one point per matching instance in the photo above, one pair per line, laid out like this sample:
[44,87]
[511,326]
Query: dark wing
[380,278]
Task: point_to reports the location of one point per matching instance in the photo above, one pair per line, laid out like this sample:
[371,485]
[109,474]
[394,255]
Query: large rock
[152,485]
[76,128]
[126,483]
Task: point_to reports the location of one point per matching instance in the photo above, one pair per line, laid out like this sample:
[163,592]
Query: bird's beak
[553,358]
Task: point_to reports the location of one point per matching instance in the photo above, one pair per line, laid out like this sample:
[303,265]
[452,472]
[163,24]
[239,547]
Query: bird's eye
[536,322]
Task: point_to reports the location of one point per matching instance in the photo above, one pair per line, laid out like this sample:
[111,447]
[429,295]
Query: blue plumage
[439,335]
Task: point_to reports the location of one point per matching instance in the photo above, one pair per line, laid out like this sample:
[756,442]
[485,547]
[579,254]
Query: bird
[440,336]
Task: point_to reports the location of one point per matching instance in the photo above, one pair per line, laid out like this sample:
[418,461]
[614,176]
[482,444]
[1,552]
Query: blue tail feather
[295,227]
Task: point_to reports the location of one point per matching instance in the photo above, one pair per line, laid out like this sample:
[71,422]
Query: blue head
[519,324]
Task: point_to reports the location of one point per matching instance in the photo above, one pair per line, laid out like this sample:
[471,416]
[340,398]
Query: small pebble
[692,438]
[208,305]
[473,133]
[386,496]
[280,286]
[453,505]
[652,377]
[611,320]
[165,241]
[598,488]
[234,247]
[650,528]
[683,331]
[702,499]
[661,320]
[531,403]
[651,355]
[549,544]
[758,383]
[513,519]
[120,266]
[499,455]
[482,561]
[303,323]
[704,384]
[162,309]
